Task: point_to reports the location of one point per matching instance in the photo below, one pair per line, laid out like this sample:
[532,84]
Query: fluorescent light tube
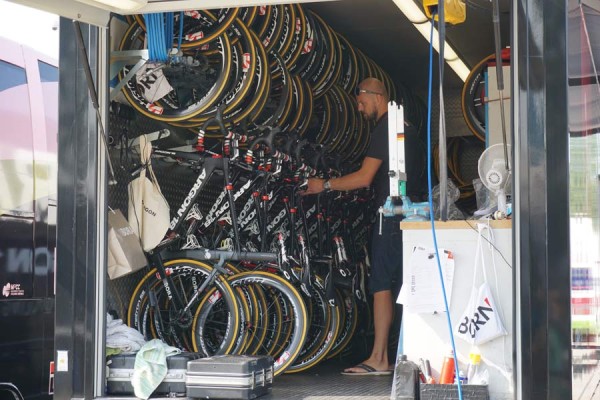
[423,25]
[125,5]
[411,10]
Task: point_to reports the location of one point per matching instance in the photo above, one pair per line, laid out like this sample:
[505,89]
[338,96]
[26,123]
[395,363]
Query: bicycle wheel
[308,106]
[473,96]
[329,65]
[271,36]
[203,30]
[271,322]
[244,62]
[260,321]
[297,321]
[288,30]
[199,30]
[298,38]
[306,47]
[152,312]
[349,320]
[196,86]
[297,111]
[279,102]
[324,326]
[348,78]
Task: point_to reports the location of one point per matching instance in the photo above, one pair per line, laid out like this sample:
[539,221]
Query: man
[386,249]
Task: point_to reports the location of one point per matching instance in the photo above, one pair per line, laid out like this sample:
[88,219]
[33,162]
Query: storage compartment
[450,392]
[120,369]
[230,377]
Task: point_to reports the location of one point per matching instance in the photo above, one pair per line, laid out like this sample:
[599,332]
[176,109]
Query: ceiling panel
[383,33]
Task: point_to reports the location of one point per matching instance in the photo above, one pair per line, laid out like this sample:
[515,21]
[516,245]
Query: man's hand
[314,186]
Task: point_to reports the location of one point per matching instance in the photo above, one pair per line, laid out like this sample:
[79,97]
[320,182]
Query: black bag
[230,377]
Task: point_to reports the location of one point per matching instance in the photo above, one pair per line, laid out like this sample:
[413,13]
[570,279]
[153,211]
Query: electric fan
[494,173]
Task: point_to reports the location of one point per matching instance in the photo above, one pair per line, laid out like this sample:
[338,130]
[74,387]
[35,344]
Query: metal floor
[325,382]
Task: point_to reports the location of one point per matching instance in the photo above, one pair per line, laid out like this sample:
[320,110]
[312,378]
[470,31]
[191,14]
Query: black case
[230,377]
[120,370]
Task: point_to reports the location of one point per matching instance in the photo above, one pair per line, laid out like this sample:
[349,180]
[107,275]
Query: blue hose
[157,37]
[431,215]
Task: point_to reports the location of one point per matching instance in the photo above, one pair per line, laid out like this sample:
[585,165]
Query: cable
[443,184]
[180,38]
[431,217]
[169,25]
[492,244]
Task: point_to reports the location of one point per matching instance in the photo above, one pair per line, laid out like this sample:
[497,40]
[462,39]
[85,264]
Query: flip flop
[368,370]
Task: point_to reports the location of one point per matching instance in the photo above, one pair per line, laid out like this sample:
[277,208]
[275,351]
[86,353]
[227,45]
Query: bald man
[386,248]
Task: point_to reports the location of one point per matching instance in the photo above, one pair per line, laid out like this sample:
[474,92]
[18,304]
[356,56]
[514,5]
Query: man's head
[372,98]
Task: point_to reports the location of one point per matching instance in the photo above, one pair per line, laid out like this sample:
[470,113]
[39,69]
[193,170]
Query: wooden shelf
[460,224]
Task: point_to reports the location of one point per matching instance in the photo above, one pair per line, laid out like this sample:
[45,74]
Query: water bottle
[462,377]
[406,380]
[474,366]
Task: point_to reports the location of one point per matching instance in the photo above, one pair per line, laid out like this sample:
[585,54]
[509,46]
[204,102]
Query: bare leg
[383,307]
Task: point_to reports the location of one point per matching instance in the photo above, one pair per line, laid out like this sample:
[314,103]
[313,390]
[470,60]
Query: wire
[492,244]
[431,217]
[180,38]
[474,4]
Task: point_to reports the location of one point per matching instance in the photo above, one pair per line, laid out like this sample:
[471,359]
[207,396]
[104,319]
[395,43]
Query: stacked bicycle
[256,268]
[278,65]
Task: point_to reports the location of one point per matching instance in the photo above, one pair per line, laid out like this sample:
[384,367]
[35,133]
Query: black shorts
[386,256]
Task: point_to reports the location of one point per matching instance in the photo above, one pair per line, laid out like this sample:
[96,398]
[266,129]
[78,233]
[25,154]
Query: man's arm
[358,179]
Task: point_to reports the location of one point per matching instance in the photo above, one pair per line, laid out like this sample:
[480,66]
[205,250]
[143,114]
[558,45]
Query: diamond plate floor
[325,382]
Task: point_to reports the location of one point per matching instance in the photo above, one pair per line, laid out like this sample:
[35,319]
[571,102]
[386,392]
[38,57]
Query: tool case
[120,371]
[230,377]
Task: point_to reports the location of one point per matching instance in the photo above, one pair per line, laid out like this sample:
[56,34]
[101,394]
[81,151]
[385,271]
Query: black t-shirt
[379,149]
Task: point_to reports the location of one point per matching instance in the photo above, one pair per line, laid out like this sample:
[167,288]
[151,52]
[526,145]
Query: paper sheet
[421,291]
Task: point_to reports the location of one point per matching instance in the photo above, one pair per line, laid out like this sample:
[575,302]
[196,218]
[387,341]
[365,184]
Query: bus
[28,181]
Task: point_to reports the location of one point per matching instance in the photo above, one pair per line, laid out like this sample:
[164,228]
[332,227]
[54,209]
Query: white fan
[494,174]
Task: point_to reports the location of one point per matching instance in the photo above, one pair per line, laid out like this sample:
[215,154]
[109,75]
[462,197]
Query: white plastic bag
[149,214]
[125,254]
[481,320]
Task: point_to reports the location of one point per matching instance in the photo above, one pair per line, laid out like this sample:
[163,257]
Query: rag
[150,367]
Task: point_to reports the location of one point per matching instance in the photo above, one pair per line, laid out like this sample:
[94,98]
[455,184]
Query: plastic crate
[450,392]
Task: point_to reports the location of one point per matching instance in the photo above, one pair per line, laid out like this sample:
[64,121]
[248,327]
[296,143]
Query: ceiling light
[411,10]
[125,5]
[423,25]
[460,68]
[425,30]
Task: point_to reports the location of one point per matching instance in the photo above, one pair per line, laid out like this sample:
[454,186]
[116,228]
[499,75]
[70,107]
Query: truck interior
[251,71]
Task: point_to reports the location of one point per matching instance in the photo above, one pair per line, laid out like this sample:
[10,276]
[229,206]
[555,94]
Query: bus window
[16,174]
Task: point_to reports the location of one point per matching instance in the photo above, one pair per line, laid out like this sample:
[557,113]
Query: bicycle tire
[285,358]
[330,65]
[137,316]
[474,93]
[298,38]
[245,61]
[161,110]
[318,353]
[349,323]
[348,78]
[306,47]
[308,106]
[272,34]
[288,30]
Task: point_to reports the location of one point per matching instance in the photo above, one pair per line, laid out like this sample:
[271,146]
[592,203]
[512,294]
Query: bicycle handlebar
[218,119]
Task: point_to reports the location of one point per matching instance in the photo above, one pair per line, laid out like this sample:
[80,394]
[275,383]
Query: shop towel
[122,337]
[150,367]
